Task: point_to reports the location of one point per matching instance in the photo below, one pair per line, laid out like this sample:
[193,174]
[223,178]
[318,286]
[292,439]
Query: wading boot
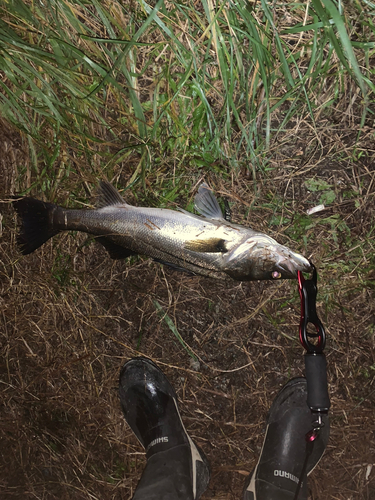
[284,451]
[176,468]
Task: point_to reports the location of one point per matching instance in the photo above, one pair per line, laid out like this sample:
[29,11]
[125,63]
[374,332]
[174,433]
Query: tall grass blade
[168,321]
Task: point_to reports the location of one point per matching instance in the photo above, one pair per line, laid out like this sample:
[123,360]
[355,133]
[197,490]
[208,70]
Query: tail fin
[37,223]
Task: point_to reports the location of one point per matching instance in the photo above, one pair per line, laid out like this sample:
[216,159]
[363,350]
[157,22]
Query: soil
[70,317]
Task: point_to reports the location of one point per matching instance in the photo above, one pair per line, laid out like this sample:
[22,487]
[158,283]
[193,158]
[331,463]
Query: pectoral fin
[175,267]
[211,245]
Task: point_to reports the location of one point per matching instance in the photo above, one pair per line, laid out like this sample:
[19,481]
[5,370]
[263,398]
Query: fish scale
[159,233]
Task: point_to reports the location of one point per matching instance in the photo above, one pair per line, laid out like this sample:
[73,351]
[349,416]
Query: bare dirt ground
[70,317]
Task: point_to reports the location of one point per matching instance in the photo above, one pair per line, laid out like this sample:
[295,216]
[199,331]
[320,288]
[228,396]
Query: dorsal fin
[206,203]
[109,196]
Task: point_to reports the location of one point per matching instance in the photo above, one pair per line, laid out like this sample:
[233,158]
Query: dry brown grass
[70,317]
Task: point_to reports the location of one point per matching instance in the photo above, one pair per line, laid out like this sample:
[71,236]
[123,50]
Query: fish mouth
[290,267]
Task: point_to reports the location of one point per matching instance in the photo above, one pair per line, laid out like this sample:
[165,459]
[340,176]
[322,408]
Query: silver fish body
[207,245]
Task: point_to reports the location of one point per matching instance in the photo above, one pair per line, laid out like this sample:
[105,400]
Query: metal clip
[308,292]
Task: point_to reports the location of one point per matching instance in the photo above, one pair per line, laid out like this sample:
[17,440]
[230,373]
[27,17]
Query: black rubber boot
[278,471]
[176,468]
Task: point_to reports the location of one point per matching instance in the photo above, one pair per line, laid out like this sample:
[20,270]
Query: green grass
[171,325]
[200,86]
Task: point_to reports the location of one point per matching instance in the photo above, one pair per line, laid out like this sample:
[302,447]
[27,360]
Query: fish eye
[276,275]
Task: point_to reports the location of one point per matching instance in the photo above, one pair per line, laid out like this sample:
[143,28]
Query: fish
[206,244]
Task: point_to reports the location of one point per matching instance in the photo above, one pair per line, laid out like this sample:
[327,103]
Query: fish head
[260,257]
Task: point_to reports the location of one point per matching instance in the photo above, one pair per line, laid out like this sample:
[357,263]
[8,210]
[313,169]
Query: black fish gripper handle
[317,385]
